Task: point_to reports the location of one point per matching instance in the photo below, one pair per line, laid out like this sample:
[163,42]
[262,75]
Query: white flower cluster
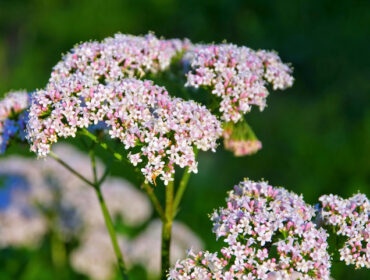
[13,117]
[237,75]
[117,57]
[95,256]
[269,235]
[158,130]
[350,218]
[33,187]
[21,227]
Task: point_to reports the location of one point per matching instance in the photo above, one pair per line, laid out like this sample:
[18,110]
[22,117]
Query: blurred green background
[316,135]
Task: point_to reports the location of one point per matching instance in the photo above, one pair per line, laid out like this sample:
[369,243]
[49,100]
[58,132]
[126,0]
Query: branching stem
[108,220]
[67,166]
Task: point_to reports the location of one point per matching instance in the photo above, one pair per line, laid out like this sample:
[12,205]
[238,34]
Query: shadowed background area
[315,135]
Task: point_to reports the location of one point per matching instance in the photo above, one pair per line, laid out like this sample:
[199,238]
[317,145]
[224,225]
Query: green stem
[102,179]
[153,198]
[62,162]
[180,192]
[108,219]
[112,233]
[166,231]
[93,165]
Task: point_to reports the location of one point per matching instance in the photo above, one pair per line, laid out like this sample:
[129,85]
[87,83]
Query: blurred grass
[315,135]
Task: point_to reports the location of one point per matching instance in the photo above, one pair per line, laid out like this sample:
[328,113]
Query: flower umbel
[350,218]
[157,130]
[117,57]
[238,76]
[268,233]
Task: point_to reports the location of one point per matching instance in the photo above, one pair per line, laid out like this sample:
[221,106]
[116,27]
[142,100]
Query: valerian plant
[105,92]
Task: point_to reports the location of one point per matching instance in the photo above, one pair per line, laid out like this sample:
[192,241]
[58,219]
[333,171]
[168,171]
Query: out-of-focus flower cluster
[95,256]
[43,187]
[349,218]
[269,235]
[35,190]
[21,226]
[236,75]
[158,130]
[13,117]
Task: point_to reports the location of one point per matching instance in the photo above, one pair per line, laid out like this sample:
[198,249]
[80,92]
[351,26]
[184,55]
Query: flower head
[267,231]
[350,218]
[13,117]
[117,57]
[158,131]
[96,82]
[238,76]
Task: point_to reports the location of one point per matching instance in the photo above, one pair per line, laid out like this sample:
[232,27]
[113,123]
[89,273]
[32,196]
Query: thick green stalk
[153,198]
[166,231]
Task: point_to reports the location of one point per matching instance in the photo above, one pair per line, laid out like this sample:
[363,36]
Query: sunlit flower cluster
[13,117]
[238,76]
[269,235]
[117,57]
[208,266]
[157,130]
[350,218]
